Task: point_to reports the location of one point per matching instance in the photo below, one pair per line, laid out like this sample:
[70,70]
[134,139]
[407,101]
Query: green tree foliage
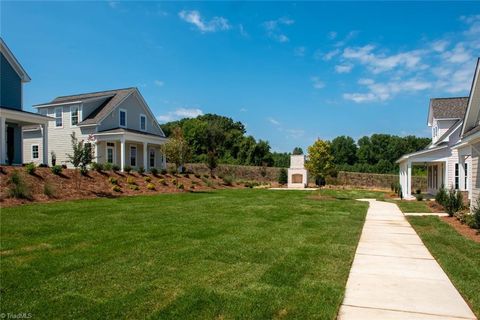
[176,149]
[344,150]
[281,159]
[320,159]
[223,136]
[283,176]
[297,151]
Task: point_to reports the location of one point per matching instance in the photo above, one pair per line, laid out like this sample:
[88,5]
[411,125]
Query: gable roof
[13,62]
[449,108]
[471,115]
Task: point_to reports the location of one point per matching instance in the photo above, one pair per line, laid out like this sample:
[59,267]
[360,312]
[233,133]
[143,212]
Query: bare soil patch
[463,229]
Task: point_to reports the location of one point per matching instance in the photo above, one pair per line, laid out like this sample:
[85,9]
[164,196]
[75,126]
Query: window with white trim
[457,180]
[152,158]
[110,152]
[58,117]
[43,111]
[35,151]
[133,156]
[74,112]
[143,122]
[122,115]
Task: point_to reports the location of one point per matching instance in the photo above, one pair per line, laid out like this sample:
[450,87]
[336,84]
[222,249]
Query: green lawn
[458,256]
[255,254]
[413,206]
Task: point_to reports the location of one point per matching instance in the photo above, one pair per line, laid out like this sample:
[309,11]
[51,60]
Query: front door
[10,144]
[110,152]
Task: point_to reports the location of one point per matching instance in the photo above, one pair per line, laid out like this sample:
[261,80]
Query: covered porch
[11,135]
[436,162]
[130,148]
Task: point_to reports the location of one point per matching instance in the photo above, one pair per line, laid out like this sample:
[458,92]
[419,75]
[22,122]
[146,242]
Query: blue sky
[291,72]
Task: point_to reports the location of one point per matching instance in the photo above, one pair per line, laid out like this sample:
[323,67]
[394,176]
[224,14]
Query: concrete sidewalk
[393,275]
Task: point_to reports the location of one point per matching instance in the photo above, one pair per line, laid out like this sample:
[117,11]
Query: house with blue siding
[12,116]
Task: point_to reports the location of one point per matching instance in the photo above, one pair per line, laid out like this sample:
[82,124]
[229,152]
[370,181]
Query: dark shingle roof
[122,130]
[449,108]
[112,99]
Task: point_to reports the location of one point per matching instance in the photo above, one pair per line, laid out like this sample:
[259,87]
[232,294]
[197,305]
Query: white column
[409,180]
[3,141]
[461,173]
[145,153]
[122,153]
[45,142]
[95,156]
[164,161]
[21,143]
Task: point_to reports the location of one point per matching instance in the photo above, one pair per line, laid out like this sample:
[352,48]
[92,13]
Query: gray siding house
[118,123]
[12,117]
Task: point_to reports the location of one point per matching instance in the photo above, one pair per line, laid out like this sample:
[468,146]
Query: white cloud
[332,35]
[295,133]
[179,114]
[112,4]
[243,109]
[473,21]
[215,24]
[159,83]
[317,83]
[242,30]
[348,37]
[273,121]
[458,54]
[345,68]
[329,55]
[299,51]
[440,45]
[273,28]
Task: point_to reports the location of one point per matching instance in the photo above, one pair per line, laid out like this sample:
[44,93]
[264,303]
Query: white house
[451,158]
[119,123]
[12,116]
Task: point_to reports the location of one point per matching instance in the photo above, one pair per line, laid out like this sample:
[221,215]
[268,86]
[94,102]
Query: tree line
[215,139]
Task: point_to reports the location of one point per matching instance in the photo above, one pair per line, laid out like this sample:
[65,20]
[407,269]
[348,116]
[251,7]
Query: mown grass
[413,206]
[255,254]
[458,256]
[352,194]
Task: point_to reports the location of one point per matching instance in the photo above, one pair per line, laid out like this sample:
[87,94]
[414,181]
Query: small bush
[57,169]
[476,215]
[96,166]
[64,166]
[228,180]
[154,171]
[419,197]
[30,168]
[181,186]
[115,167]
[107,166]
[116,188]
[150,186]
[209,183]
[83,171]
[251,184]
[197,176]
[127,169]
[206,176]
[113,180]
[163,171]
[454,202]
[147,179]
[441,196]
[172,170]
[162,182]
[418,191]
[283,176]
[134,187]
[141,170]
[49,190]
[174,181]
[131,180]
[18,188]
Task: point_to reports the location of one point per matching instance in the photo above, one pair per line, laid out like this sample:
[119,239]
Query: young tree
[176,149]
[283,176]
[212,162]
[320,159]
[82,154]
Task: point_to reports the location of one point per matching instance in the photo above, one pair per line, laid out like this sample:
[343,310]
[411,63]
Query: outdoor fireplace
[297,174]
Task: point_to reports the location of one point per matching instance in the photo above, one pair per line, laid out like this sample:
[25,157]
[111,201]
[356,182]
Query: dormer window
[122,118]
[143,122]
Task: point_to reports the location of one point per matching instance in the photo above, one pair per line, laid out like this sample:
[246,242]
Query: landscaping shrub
[172,170]
[107,166]
[30,168]
[115,167]
[131,180]
[228,180]
[83,171]
[113,180]
[154,171]
[418,191]
[476,215]
[56,169]
[134,187]
[283,176]
[453,202]
[162,182]
[116,188]
[96,166]
[174,181]
[209,183]
[163,171]
[150,186]
[48,189]
[180,186]
[127,169]
[197,176]
[441,196]
[147,179]
[141,170]
[18,188]
[419,197]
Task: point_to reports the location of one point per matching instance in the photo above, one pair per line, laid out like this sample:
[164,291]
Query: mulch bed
[463,229]
[435,207]
[70,185]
